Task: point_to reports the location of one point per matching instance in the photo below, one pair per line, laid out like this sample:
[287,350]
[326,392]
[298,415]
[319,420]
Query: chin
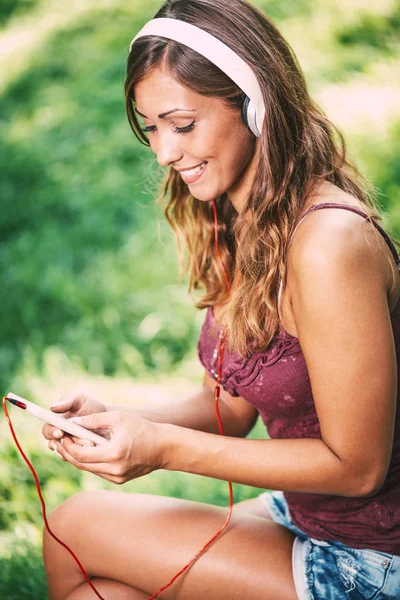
[203,197]
[206,195]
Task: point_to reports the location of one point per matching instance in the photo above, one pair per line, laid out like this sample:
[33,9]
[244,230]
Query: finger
[89,454]
[62,405]
[58,433]
[103,420]
[101,469]
[94,471]
[46,431]
[81,441]
[91,468]
[66,403]
[50,432]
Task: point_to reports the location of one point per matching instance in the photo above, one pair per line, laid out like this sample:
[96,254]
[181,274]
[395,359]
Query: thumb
[61,406]
[101,420]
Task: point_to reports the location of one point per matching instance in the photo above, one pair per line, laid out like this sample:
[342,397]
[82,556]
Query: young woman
[302,328]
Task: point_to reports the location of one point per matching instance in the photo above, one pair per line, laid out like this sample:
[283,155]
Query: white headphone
[220,55]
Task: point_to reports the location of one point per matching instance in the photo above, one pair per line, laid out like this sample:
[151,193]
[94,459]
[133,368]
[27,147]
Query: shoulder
[335,256]
[335,238]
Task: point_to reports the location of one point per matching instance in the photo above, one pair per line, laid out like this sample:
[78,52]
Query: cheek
[216,139]
[239,155]
[235,143]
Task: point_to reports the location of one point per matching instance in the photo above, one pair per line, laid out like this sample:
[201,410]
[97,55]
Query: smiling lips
[192,175]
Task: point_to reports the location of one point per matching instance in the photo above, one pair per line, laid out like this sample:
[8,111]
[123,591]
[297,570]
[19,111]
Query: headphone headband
[216,52]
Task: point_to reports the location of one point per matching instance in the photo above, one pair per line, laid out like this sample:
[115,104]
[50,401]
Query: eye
[186,129]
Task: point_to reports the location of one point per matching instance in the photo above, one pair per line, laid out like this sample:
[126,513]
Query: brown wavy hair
[298,149]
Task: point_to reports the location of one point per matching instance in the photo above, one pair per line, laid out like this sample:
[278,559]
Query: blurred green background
[90,292]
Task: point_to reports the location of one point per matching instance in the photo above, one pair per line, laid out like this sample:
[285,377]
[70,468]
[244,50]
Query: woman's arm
[339,302]
[304,465]
[198,411]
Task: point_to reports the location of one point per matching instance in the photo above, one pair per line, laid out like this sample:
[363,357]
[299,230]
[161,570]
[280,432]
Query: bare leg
[108,589]
[142,541]
[254,507]
[123,592]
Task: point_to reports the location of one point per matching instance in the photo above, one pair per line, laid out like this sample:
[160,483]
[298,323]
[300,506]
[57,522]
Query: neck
[239,193]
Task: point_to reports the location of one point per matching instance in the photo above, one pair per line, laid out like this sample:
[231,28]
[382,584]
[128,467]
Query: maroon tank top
[277,384]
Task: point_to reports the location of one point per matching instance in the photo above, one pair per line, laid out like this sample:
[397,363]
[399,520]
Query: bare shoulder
[328,192]
[335,233]
[331,239]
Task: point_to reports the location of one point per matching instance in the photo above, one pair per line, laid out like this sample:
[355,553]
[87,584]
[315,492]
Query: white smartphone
[56,420]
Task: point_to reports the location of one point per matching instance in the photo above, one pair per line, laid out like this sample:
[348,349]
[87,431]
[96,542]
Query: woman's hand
[136,447]
[76,404]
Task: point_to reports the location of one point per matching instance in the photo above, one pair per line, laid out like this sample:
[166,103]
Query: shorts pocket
[374,556]
[363,572]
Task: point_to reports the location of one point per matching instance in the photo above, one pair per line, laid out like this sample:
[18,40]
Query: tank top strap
[354,209]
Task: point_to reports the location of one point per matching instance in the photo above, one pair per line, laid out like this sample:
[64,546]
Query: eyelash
[187,129]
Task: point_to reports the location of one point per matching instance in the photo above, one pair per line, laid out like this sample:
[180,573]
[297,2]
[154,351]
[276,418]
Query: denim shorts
[331,570]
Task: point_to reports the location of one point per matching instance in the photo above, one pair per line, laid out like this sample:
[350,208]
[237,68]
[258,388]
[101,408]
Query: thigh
[143,541]
[254,506]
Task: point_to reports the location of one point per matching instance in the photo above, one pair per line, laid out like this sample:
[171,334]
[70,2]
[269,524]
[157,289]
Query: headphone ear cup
[249,116]
[245,106]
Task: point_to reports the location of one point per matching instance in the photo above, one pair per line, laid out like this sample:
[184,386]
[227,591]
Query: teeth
[194,171]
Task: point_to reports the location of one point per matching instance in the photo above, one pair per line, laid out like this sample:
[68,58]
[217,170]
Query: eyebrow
[163,115]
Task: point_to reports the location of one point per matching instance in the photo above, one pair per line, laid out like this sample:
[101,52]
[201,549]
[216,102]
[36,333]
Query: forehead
[159,92]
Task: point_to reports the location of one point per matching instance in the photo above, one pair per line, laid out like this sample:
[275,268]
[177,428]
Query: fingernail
[56,403]
[57,433]
[53,446]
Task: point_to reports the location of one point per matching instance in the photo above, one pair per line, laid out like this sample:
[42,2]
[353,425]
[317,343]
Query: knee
[68,518]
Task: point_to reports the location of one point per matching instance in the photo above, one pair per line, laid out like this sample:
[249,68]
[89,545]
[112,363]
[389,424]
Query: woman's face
[201,138]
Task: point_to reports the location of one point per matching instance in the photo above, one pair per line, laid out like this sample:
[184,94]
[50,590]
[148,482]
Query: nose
[168,150]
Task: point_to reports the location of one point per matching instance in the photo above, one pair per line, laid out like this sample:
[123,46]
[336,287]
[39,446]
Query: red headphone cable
[221,349]
[26,459]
